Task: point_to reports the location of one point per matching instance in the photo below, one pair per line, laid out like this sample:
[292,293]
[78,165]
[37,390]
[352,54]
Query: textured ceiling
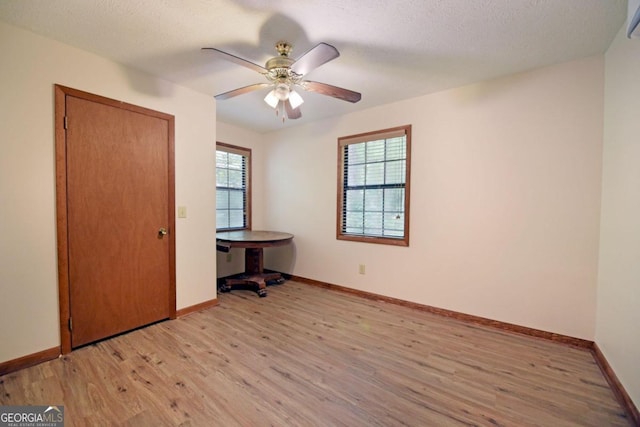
[390,50]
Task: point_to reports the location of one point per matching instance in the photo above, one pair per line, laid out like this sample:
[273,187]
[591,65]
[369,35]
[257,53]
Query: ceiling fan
[284,74]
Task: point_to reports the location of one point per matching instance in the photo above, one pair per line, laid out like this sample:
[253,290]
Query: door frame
[62,226]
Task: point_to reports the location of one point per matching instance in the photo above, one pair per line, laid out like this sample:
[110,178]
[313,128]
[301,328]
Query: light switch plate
[182,211]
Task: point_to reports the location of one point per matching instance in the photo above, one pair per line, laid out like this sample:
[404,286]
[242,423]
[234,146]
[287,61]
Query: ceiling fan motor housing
[279,67]
[279,62]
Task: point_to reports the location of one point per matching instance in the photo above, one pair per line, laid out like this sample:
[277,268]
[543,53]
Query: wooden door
[119,201]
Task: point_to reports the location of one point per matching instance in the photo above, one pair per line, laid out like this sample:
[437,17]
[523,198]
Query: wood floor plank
[308,356]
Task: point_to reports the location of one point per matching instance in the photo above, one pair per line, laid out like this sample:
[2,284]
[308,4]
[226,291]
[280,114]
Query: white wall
[618,313]
[241,137]
[505,199]
[28,271]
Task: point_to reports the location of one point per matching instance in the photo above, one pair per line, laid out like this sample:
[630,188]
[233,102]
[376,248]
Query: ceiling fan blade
[241,91]
[336,92]
[235,59]
[292,113]
[315,57]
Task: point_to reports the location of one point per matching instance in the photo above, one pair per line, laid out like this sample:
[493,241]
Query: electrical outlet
[361,269]
[229,256]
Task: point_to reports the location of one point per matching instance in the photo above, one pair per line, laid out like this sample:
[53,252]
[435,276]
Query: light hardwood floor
[315,357]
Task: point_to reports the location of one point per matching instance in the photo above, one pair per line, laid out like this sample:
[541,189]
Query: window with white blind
[373,186]
[233,187]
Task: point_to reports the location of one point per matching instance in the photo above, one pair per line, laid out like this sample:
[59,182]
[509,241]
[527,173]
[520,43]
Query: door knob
[162,232]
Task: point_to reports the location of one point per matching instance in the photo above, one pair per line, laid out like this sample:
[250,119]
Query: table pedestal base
[259,279]
[253,243]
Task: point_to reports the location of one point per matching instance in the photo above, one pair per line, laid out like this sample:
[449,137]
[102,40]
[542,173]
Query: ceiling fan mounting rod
[284,48]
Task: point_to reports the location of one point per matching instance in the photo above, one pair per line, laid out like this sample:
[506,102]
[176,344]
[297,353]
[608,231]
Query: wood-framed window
[233,187]
[373,186]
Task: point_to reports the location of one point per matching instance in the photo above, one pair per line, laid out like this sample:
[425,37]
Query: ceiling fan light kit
[295,99]
[272,99]
[284,74]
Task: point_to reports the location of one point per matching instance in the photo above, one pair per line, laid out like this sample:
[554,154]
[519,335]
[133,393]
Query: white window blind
[373,186]
[232,187]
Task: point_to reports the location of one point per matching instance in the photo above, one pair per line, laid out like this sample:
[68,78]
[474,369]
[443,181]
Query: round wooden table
[253,243]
